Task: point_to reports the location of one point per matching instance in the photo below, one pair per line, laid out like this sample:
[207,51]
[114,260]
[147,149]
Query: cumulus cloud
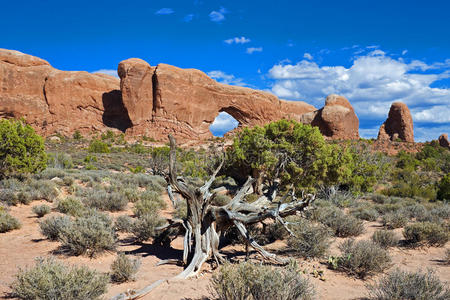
[371,83]
[164,11]
[237,40]
[251,50]
[308,56]
[222,124]
[107,72]
[218,16]
[225,78]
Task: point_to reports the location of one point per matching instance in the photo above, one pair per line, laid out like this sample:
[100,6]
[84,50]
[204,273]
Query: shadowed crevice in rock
[115,114]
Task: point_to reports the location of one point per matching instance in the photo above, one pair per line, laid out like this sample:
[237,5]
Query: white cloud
[164,11]
[238,40]
[371,84]
[225,78]
[218,16]
[188,18]
[308,56]
[404,52]
[107,72]
[251,50]
[223,123]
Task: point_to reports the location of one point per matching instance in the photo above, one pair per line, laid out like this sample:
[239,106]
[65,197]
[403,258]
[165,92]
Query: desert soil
[19,248]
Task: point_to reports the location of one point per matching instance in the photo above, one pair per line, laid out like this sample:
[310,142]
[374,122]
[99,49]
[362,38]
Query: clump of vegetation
[71,206]
[426,232]
[447,257]
[362,258]
[342,224]
[53,226]
[144,227]
[310,240]
[124,269]
[395,219]
[100,199]
[21,149]
[149,202]
[88,235]
[385,238]
[409,286]
[50,279]
[250,281]
[59,161]
[365,213]
[8,222]
[443,192]
[123,223]
[41,210]
[98,146]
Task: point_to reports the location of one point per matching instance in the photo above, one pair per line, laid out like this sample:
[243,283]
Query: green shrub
[395,219]
[103,200]
[149,202]
[362,258]
[59,161]
[426,232]
[21,149]
[343,225]
[9,197]
[443,192]
[90,234]
[409,286]
[8,222]
[50,279]
[45,189]
[385,238]
[77,135]
[144,227]
[365,213]
[124,269]
[310,240]
[41,210]
[123,224]
[53,226]
[97,146]
[255,282]
[71,206]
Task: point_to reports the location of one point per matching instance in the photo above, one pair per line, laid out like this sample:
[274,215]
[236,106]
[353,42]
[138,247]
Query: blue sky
[372,52]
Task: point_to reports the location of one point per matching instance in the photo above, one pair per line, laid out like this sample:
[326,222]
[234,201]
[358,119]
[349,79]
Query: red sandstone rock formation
[398,125]
[336,120]
[443,141]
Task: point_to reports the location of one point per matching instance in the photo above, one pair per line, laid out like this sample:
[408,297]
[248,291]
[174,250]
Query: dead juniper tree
[205,222]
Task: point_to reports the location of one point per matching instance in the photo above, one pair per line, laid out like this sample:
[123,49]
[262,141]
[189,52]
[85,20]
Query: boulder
[398,125]
[336,120]
[443,141]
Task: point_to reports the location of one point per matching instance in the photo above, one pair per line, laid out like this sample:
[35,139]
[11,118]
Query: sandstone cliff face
[443,141]
[336,120]
[154,101]
[398,125]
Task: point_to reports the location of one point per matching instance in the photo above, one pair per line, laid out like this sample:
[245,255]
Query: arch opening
[223,123]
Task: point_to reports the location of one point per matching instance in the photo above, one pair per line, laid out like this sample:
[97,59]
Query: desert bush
[417,211]
[409,286]
[447,257]
[123,223]
[149,202]
[131,194]
[337,197]
[310,240]
[8,222]
[395,219]
[443,192]
[45,189]
[41,210]
[97,146]
[90,234]
[441,211]
[59,161]
[221,200]
[365,213]
[100,199]
[362,258]
[50,279]
[250,281]
[343,225]
[71,206]
[21,149]
[426,232]
[385,238]
[144,227]
[9,197]
[53,226]
[124,269]
[377,198]
[387,208]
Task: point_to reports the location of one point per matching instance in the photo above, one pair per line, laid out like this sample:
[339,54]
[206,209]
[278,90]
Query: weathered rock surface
[336,120]
[398,125]
[443,141]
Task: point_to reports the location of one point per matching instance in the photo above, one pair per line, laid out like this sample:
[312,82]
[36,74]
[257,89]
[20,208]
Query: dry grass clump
[310,240]
[385,238]
[409,286]
[124,269]
[41,210]
[8,222]
[50,279]
[362,258]
[254,282]
[426,232]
